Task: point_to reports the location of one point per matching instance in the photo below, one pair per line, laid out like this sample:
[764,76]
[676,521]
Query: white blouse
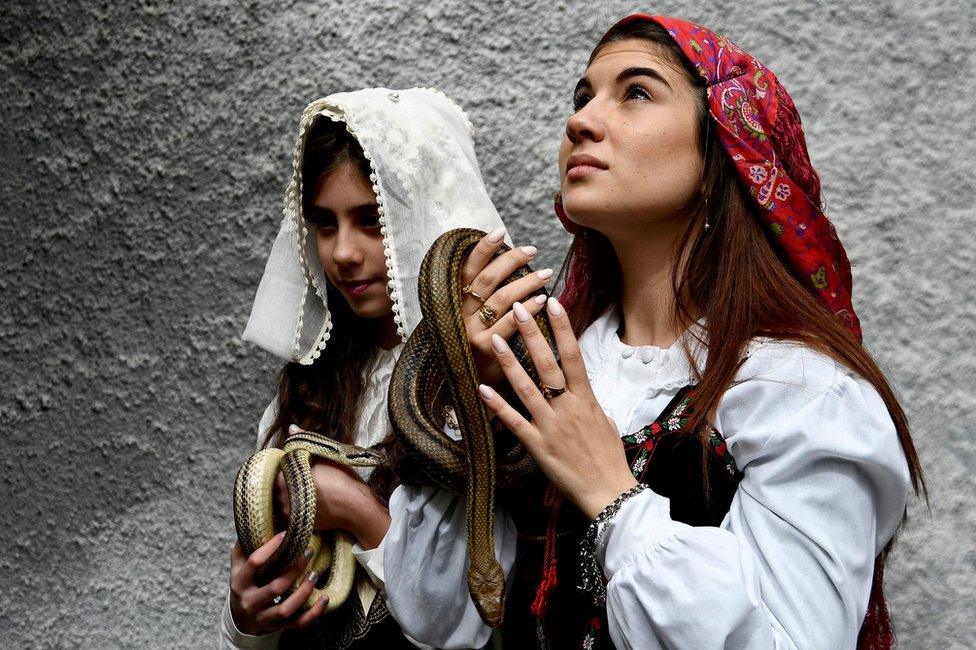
[373,424]
[824,488]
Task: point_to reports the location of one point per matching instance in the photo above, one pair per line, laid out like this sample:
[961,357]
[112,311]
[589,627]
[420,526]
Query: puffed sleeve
[425,562]
[824,488]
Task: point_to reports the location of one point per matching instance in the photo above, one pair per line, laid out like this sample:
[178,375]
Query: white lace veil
[426,180]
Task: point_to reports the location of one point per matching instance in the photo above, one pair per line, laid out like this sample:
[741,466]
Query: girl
[730,459]
[378,176]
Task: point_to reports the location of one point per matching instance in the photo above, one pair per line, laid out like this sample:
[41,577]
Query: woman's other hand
[483,273]
[254,608]
[570,436]
[343,501]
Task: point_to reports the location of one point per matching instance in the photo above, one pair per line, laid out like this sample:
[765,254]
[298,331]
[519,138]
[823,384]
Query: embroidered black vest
[664,456]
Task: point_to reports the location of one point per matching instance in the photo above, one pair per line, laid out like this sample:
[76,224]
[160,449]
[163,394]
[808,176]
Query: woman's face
[349,242]
[630,157]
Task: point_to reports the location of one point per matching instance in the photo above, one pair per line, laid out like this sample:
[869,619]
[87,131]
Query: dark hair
[325,396]
[762,298]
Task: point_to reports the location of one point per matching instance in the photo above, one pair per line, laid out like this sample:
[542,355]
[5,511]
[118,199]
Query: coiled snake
[435,367]
[437,363]
[254,512]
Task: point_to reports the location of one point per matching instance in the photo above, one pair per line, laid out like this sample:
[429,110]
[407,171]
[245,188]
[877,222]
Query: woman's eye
[637,92]
[370,221]
[320,220]
[579,101]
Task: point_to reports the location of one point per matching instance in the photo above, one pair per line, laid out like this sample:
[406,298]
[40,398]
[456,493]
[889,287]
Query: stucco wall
[145,149]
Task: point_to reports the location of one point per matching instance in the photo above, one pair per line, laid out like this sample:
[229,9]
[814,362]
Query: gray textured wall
[145,149]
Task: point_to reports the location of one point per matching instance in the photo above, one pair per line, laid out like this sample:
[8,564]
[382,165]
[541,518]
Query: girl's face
[630,157]
[349,242]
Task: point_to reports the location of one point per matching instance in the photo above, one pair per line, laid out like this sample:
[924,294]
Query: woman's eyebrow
[627,73]
[642,72]
[364,209]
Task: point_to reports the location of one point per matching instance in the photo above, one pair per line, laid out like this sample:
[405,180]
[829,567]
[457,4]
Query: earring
[705,209]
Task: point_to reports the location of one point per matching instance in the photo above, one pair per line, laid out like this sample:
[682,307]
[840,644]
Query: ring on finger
[550,392]
[277,599]
[467,290]
[488,315]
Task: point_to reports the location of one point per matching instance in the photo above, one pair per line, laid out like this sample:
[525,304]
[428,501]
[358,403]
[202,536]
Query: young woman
[729,457]
[378,176]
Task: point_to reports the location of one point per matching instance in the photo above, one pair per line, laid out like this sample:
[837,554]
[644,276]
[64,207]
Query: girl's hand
[254,608]
[342,501]
[483,273]
[570,436]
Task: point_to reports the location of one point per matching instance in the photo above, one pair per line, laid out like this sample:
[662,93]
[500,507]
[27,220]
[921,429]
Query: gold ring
[550,392]
[488,315]
[466,289]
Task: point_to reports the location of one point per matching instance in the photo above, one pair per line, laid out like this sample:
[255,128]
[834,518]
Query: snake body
[255,521]
[437,360]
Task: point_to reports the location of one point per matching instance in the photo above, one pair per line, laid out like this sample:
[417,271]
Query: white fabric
[825,486]
[426,180]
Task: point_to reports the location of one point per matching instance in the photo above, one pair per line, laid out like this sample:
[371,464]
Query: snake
[254,516]
[435,365]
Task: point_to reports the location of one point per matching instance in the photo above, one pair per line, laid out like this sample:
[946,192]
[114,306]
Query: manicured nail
[486,391]
[540,300]
[544,274]
[496,235]
[530,250]
[555,308]
[521,313]
[499,344]
[294,428]
[312,576]
[308,553]
[323,601]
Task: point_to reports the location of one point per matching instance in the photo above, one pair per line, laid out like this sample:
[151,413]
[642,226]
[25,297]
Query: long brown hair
[325,396]
[762,298]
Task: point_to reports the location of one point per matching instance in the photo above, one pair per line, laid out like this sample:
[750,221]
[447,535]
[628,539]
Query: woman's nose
[347,251]
[584,124]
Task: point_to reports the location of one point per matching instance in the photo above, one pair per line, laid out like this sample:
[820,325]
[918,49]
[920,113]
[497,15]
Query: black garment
[664,456]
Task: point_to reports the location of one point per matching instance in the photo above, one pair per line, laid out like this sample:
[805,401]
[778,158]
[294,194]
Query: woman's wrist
[594,501]
[367,519]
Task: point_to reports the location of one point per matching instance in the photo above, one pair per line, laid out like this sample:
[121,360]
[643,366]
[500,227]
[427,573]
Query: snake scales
[436,365]
[255,521]
[437,362]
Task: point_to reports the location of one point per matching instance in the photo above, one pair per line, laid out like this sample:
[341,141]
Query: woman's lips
[582,171]
[356,288]
[581,165]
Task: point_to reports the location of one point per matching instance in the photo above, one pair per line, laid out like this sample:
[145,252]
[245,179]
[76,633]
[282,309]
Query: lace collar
[655,368]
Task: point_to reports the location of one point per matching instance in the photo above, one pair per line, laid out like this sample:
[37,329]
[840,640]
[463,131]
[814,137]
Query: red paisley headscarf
[761,132]
[760,129]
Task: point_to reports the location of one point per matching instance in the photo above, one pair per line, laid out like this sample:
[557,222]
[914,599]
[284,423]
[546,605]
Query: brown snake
[437,361]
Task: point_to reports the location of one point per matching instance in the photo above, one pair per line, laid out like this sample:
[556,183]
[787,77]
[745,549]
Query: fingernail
[498,343]
[323,601]
[555,308]
[545,274]
[540,300]
[521,313]
[486,391]
[496,235]
[308,553]
[312,576]
[294,428]
[530,250]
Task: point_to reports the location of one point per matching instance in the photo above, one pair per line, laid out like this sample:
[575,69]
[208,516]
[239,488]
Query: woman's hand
[254,608]
[570,436]
[342,501]
[483,273]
